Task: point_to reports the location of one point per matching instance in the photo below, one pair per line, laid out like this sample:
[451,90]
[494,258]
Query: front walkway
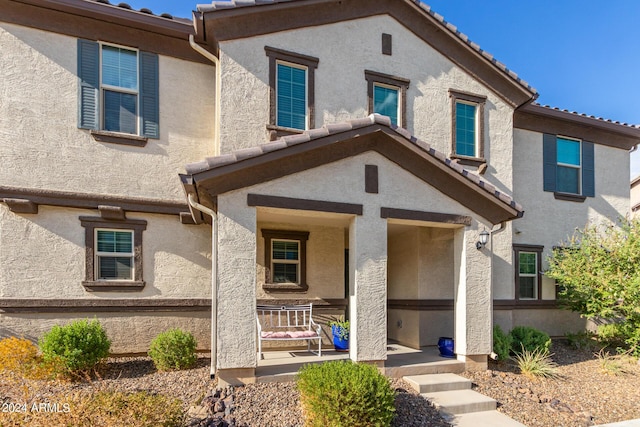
[280,366]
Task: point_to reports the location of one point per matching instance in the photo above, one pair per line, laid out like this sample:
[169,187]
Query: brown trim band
[303,204]
[424,216]
[324,303]
[448,304]
[421,304]
[91,201]
[512,304]
[103,305]
[95,20]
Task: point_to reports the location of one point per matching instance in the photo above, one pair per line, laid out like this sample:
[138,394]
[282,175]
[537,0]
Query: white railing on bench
[287,323]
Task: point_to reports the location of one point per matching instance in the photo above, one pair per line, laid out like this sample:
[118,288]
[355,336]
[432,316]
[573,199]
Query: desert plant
[345,394]
[536,363]
[78,346]
[528,338]
[501,343]
[173,349]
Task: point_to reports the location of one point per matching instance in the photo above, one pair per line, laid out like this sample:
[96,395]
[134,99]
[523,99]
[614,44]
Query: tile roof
[336,128]
[575,113]
[143,10]
[217,5]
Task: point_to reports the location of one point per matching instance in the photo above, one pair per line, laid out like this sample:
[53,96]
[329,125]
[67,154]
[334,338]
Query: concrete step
[460,401]
[484,419]
[438,382]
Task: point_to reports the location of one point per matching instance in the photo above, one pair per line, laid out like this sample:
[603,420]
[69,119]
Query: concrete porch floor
[279,366]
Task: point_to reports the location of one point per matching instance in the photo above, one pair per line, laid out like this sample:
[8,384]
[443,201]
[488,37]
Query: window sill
[119,138]
[113,285]
[570,197]
[469,161]
[284,287]
[276,132]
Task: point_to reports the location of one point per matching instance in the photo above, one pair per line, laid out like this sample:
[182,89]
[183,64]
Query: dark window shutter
[549,160]
[89,74]
[588,170]
[149,98]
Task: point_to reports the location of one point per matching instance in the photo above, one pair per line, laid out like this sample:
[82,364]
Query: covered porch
[345,204]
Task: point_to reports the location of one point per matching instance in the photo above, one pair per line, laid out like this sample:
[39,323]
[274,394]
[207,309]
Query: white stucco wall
[345,50]
[41,146]
[43,256]
[548,221]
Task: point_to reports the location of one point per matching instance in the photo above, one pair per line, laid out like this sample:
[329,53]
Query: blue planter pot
[445,345]
[339,344]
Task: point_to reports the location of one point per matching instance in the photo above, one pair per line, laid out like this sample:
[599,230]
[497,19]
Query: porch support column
[472,299]
[368,289]
[236,290]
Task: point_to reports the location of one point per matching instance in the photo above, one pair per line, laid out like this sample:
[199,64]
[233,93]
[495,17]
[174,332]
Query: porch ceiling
[305,218]
[317,147]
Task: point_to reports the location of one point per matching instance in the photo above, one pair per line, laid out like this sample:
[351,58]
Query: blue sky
[581,55]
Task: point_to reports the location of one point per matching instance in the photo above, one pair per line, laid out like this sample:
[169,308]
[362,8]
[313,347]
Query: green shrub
[612,334]
[345,394]
[78,346]
[501,343]
[174,349]
[581,339]
[528,338]
[536,363]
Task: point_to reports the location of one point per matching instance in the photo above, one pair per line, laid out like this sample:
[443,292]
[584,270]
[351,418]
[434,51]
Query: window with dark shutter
[568,167]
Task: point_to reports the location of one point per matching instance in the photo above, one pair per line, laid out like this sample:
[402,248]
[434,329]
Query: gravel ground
[584,395]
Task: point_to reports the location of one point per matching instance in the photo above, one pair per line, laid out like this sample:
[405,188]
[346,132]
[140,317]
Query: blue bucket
[445,345]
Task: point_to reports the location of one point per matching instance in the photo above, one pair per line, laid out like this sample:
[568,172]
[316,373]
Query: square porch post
[236,290]
[368,289]
[473,305]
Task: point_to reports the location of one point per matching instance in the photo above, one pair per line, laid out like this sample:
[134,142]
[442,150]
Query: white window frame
[568,165]
[306,90]
[476,126]
[398,91]
[534,275]
[285,261]
[99,254]
[119,89]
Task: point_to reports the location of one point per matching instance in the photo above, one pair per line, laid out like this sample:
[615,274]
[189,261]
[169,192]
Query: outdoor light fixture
[484,238]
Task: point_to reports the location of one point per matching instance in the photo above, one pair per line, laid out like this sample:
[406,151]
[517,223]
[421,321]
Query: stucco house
[363,156]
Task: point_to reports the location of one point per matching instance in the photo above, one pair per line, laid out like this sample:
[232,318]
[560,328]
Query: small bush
[530,339]
[345,394]
[581,339]
[536,363]
[78,346]
[174,349]
[501,343]
[611,335]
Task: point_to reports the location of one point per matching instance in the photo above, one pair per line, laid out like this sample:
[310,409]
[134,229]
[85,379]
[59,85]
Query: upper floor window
[118,90]
[387,96]
[528,277]
[291,102]
[292,91]
[568,167]
[467,116]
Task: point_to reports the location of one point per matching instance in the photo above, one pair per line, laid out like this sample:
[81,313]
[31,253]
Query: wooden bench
[287,323]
